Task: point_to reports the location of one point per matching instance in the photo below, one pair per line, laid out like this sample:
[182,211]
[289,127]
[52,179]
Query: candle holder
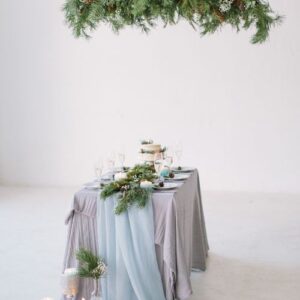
[96,293]
[70,283]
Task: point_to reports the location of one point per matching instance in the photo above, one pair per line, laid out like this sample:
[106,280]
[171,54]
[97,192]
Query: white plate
[167,186]
[92,186]
[183,170]
[178,177]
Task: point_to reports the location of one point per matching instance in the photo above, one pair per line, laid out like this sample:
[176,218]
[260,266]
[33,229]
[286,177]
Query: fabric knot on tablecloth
[75,211]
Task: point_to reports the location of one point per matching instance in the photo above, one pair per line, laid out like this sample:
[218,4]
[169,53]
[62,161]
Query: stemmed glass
[121,159]
[169,161]
[110,162]
[98,168]
[157,166]
[178,152]
[157,163]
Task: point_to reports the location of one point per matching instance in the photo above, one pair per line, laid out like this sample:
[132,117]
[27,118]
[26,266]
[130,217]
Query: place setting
[105,170]
[159,161]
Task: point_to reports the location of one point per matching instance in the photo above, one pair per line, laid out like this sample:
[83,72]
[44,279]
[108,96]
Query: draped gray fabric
[180,235]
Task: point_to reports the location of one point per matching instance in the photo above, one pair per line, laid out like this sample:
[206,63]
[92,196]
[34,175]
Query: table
[180,235]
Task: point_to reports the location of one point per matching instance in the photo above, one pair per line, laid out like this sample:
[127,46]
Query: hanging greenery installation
[83,16]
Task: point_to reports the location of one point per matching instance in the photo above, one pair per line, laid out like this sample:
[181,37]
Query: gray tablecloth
[180,235]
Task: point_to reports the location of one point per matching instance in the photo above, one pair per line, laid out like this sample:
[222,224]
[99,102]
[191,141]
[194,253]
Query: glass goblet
[169,161]
[178,152]
[121,159]
[98,168]
[158,163]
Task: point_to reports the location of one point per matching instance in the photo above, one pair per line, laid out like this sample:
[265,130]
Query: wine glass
[121,159]
[178,152]
[157,163]
[98,168]
[110,162]
[157,166]
[169,161]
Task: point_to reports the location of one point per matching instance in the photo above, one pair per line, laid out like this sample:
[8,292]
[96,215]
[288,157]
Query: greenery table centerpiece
[134,189]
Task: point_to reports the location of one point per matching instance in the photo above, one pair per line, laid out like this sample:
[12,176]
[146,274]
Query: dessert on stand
[151,152]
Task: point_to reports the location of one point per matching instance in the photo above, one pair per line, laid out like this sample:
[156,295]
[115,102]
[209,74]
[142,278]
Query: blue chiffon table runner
[127,245]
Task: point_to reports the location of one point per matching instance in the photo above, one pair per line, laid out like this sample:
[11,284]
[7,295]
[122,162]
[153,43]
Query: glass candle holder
[96,292]
[70,282]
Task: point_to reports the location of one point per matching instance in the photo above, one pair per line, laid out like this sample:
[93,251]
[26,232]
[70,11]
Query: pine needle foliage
[90,265]
[129,190]
[84,16]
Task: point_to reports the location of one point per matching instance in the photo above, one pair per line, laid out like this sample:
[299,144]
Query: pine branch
[129,190]
[91,266]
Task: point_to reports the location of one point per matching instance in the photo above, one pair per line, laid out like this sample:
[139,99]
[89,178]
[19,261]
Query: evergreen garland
[129,189]
[83,16]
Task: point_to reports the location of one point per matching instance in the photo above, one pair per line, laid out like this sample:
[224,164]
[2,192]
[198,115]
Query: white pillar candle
[70,282]
[71,271]
[120,175]
[145,184]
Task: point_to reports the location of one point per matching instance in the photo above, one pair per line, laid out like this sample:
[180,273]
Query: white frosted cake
[150,151]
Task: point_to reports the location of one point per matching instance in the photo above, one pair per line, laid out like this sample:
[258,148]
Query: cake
[150,151]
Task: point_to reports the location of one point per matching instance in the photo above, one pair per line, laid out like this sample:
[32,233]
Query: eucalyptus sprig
[146,142]
[84,16]
[129,189]
[143,151]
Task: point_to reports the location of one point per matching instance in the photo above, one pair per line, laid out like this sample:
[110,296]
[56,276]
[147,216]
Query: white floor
[254,241]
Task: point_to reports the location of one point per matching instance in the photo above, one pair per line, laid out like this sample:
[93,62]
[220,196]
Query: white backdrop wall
[65,102]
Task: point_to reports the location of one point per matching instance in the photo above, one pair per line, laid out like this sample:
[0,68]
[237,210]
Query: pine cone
[240,4]
[219,15]
[111,8]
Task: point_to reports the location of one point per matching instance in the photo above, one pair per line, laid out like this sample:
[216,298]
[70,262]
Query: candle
[145,184]
[71,271]
[120,175]
[70,282]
